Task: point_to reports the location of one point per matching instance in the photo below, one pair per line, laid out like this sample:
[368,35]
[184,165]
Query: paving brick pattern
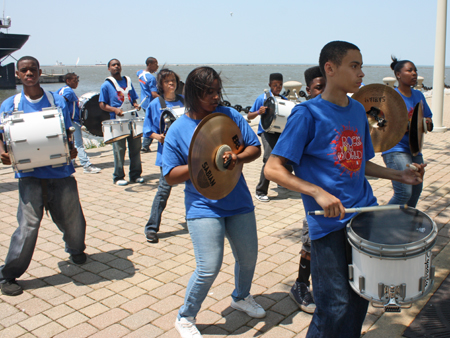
[130,288]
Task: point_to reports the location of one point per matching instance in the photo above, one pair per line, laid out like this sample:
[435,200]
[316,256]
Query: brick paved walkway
[130,288]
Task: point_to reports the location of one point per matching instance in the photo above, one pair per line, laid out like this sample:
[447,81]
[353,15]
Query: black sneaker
[152,237]
[144,150]
[301,295]
[78,258]
[11,288]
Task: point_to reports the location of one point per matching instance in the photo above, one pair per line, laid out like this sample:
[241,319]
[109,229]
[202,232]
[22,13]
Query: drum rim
[392,251]
[116,121]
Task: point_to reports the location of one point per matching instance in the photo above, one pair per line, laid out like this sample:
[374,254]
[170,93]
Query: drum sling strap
[162,102]
[124,91]
[61,92]
[44,182]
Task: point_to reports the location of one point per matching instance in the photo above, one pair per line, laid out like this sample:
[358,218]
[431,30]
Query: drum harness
[44,181]
[124,91]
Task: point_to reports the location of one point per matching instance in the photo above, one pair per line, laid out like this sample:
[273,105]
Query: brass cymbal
[416,130]
[215,134]
[388,120]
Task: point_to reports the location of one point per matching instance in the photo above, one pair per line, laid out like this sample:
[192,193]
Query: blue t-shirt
[110,96]
[148,85]
[328,146]
[415,98]
[151,123]
[258,104]
[176,151]
[30,107]
[72,102]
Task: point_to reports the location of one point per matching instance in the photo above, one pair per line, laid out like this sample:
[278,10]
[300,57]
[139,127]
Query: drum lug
[57,156]
[432,272]
[381,290]
[402,290]
[350,272]
[362,284]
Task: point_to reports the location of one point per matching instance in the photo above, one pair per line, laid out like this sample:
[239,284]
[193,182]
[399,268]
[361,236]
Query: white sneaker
[262,198]
[91,170]
[121,182]
[139,180]
[186,327]
[249,306]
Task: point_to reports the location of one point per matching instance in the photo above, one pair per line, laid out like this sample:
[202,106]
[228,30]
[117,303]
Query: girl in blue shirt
[400,155]
[210,221]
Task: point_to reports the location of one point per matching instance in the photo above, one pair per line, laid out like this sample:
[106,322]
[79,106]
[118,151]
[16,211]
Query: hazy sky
[195,31]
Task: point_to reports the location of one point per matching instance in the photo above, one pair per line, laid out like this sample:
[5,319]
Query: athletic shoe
[91,170]
[249,306]
[301,295]
[11,288]
[262,198]
[152,237]
[143,150]
[186,327]
[78,258]
[139,180]
[121,182]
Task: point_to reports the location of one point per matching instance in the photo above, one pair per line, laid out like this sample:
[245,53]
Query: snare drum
[277,112]
[36,139]
[115,130]
[137,127]
[90,113]
[391,256]
[169,116]
[127,115]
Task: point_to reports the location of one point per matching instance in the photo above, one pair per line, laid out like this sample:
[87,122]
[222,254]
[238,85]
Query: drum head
[392,227]
[92,116]
[269,115]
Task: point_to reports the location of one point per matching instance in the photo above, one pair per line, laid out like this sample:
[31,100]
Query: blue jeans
[403,193]
[146,142]
[340,312]
[78,142]
[208,236]
[65,210]
[119,148]
[159,204]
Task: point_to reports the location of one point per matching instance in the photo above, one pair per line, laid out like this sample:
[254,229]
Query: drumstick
[364,209]
[145,98]
[412,167]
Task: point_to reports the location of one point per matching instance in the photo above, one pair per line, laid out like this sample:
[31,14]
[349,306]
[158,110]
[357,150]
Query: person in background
[167,84]
[51,188]
[400,155]
[149,91]
[71,80]
[315,84]
[117,95]
[268,139]
[210,221]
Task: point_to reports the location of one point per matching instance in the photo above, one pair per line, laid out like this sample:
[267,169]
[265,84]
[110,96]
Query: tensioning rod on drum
[364,209]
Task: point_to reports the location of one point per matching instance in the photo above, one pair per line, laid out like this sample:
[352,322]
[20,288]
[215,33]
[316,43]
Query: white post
[439,67]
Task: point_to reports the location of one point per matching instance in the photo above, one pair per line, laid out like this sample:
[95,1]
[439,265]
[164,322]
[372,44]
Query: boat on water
[9,43]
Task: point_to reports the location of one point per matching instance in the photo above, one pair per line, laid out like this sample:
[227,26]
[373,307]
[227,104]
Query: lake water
[242,83]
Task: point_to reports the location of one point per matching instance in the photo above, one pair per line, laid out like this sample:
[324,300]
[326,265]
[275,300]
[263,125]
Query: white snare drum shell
[115,130]
[392,248]
[36,139]
[137,127]
[275,122]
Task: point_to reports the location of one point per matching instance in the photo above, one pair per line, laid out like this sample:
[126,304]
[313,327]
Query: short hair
[163,73]
[311,74]
[397,65]
[109,62]
[275,77]
[197,83]
[334,51]
[69,76]
[149,60]
[27,58]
